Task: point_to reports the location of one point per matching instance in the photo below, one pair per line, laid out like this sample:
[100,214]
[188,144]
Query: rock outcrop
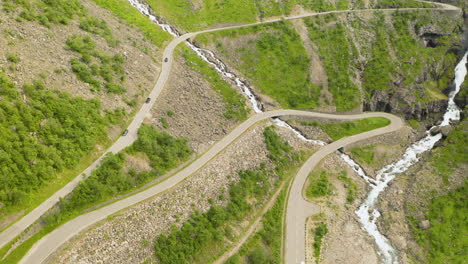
[402,101]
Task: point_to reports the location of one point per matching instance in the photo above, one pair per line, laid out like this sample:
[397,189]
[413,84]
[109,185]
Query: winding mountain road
[48,244]
[297,208]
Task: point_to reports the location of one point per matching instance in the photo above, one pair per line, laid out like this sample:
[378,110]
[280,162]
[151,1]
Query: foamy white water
[367,212]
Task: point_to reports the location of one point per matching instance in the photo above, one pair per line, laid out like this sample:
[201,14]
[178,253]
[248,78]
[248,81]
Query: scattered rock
[425,224]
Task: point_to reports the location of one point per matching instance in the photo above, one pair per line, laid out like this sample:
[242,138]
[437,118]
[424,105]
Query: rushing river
[367,212]
[221,68]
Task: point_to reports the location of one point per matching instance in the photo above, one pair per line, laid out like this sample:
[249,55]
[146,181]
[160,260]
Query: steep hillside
[72,74]
[425,208]
[193,15]
[396,62]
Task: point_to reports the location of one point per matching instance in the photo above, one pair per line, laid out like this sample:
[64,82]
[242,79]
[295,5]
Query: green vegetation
[235,103]
[123,10]
[98,27]
[413,58]
[110,180]
[364,154]
[437,61]
[276,63]
[203,14]
[87,70]
[265,245]
[318,185]
[377,74]
[13,58]
[205,232]
[164,122]
[402,4]
[336,52]
[413,123]
[46,12]
[445,240]
[346,129]
[207,13]
[278,150]
[453,153]
[163,151]
[42,135]
[320,231]
[351,187]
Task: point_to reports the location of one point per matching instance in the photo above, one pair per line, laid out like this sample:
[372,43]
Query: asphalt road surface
[51,242]
[46,245]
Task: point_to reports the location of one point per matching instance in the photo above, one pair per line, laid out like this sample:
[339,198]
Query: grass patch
[336,52]
[445,240]
[351,187]
[413,123]
[402,4]
[276,63]
[13,58]
[98,27]
[235,103]
[446,159]
[265,245]
[320,231]
[123,10]
[318,185]
[204,233]
[346,129]
[208,13]
[364,154]
[412,58]
[46,12]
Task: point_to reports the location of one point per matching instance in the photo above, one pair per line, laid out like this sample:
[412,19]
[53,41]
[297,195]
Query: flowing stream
[367,212]
[209,57]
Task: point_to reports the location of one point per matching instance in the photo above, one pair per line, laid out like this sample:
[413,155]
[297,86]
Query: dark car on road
[148,100]
[125,132]
[166,59]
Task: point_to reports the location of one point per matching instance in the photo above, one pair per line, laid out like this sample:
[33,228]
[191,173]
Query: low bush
[320,231]
[351,187]
[13,58]
[87,70]
[318,185]
[364,154]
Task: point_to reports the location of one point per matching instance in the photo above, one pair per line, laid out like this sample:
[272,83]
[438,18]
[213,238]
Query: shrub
[320,231]
[319,185]
[13,58]
[40,139]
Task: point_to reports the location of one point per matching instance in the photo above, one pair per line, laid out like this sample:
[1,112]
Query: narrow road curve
[48,244]
[14,230]
[298,209]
